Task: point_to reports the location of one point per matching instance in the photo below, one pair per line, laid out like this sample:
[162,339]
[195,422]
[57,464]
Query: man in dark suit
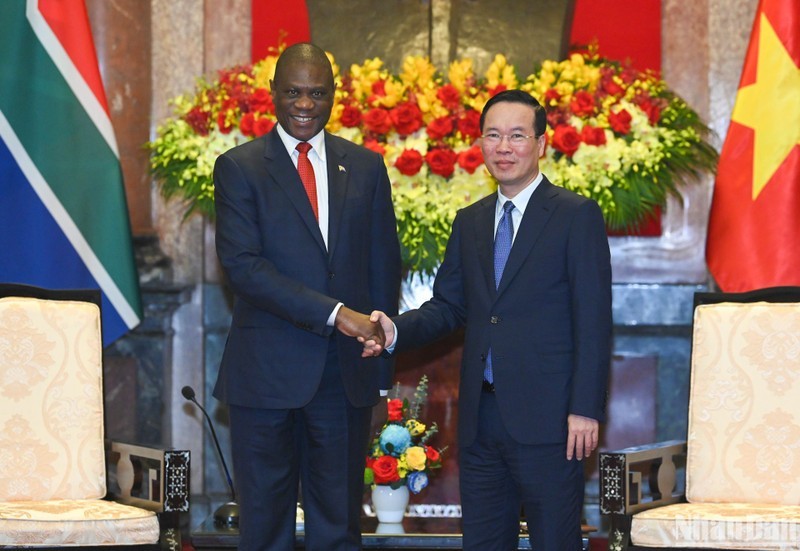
[527,271]
[303,254]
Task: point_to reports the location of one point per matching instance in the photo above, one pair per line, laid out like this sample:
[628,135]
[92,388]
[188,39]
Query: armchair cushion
[719,525]
[51,423]
[75,522]
[744,421]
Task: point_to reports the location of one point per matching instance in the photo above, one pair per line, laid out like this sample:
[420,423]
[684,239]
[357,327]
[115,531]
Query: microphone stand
[226,514]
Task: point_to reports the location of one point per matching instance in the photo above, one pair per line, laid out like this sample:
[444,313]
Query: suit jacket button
[483,357]
[331,275]
[494,320]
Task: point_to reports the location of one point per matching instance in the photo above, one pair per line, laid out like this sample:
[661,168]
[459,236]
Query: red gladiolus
[551,97]
[378,121]
[198,119]
[566,139]
[385,470]
[395,408]
[620,121]
[442,161]
[224,126]
[470,159]
[409,162]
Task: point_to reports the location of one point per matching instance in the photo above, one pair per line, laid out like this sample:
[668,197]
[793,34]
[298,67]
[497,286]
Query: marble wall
[152,51]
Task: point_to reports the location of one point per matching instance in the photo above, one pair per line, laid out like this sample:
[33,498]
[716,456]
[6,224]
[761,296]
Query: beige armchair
[742,453]
[53,456]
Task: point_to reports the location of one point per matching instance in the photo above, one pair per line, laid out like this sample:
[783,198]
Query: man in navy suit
[301,263]
[527,272]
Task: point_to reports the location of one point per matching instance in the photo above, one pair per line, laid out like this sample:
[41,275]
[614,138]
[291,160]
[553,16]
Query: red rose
[582,103]
[385,470]
[566,139]
[375,145]
[442,161]
[407,118]
[351,116]
[261,101]
[470,159]
[263,125]
[246,124]
[409,162]
[378,121]
[439,128]
[395,408]
[432,455]
[620,121]
[470,124]
[593,136]
[449,96]
[370,461]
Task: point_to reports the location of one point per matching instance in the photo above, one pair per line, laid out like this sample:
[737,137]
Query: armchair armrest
[152,478]
[621,475]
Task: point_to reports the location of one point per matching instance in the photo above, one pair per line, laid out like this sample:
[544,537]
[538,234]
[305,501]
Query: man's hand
[582,437]
[358,325]
[373,348]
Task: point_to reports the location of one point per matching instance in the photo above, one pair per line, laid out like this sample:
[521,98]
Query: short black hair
[302,52]
[519,96]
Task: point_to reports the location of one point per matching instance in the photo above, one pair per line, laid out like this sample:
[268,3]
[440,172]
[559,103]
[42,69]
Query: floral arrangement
[615,134]
[400,455]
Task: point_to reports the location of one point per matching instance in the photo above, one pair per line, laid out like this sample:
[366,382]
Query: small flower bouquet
[400,454]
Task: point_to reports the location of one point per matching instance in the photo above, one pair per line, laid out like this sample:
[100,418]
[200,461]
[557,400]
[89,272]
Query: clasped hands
[372,331]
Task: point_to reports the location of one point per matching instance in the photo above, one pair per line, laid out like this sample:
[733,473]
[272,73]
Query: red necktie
[307,176]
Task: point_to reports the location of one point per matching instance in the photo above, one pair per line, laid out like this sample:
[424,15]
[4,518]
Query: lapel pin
[342,169]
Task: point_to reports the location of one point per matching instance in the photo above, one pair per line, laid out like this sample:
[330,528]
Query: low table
[422,534]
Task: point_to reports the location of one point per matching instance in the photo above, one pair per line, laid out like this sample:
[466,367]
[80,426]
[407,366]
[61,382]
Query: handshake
[375,331]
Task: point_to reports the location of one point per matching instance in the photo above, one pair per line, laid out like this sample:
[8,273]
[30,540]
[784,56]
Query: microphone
[227,513]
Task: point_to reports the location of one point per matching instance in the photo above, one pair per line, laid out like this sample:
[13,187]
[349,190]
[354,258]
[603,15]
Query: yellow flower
[460,74]
[415,427]
[415,458]
[417,70]
[500,72]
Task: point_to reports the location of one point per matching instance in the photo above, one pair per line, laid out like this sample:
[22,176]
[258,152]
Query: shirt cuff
[390,349]
[332,317]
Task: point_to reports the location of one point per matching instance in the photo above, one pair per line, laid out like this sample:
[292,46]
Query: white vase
[390,504]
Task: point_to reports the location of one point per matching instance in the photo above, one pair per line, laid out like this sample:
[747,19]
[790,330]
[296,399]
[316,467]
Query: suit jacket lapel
[484,238]
[537,213]
[285,175]
[338,177]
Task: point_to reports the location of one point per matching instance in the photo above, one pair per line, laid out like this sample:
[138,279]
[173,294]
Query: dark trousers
[322,444]
[498,476]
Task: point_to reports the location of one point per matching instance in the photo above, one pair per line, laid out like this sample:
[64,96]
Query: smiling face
[514,167]
[302,91]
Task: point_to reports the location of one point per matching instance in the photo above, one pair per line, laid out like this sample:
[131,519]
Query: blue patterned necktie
[502,246]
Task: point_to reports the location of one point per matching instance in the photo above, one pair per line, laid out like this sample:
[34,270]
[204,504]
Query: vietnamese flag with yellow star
[754,227]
